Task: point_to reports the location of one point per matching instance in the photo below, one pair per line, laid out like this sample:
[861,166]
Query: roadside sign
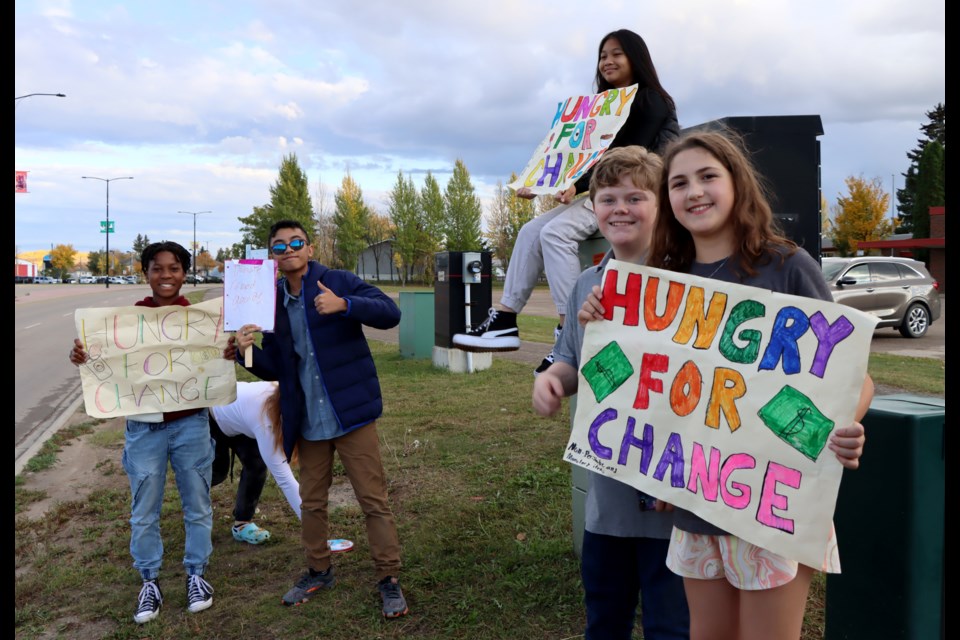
[103,227]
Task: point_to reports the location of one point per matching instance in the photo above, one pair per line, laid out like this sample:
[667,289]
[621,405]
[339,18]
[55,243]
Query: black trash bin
[890,520]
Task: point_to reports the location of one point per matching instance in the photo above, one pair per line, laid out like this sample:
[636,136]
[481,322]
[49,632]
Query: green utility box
[890,520]
[416,324]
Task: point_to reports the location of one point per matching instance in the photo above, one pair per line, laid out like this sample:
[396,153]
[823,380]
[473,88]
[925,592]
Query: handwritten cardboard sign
[250,293]
[146,359]
[582,129]
[720,399]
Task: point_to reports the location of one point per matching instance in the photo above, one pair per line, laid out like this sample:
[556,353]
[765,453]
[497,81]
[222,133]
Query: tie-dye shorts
[744,565]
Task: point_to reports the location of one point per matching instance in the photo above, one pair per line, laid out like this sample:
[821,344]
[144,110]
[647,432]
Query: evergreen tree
[140,243]
[434,224]
[409,225]
[930,192]
[351,218]
[463,211]
[289,200]
[935,129]
[860,216]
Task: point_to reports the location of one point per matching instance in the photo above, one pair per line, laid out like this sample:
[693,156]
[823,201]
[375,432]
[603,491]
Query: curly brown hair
[754,226]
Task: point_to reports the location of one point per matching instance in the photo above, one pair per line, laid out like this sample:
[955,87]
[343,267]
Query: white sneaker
[497,333]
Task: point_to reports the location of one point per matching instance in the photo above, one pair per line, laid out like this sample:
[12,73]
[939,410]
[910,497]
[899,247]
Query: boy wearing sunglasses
[329,401]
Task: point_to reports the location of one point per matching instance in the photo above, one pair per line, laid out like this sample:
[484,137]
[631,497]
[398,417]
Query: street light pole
[194,214]
[108,181]
[55,95]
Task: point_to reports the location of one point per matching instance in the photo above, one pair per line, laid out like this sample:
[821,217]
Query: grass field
[482,500]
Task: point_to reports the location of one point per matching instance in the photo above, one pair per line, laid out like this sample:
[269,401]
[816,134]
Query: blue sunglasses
[281,247]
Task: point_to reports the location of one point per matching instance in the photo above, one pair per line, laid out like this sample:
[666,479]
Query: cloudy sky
[200,100]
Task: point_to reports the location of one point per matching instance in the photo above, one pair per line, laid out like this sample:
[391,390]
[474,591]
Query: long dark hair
[641,64]
[755,229]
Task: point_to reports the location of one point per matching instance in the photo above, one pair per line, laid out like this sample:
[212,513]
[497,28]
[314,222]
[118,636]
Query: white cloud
[202,103]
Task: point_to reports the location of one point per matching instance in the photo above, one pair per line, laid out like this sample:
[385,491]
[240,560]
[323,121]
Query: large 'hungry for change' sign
[582,129]
[720,399]
[154,359]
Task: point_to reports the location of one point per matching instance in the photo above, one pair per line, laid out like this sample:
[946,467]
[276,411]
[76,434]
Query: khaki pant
[359,452]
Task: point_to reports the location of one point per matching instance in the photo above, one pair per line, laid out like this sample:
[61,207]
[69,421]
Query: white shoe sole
[478,344]
[197,607]
[147,617]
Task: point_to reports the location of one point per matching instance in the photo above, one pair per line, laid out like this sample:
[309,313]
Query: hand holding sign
[250,290]
[245,341]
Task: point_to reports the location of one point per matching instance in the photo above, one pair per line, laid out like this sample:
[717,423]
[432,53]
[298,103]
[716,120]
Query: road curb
[23,455]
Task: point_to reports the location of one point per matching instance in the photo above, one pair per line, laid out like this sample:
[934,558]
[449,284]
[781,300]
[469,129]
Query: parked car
[116,280]
[88,280]
[45,280]
[131,279]
[899,291]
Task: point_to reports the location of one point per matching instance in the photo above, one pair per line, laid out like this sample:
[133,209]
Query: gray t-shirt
[612,507]
[799,275]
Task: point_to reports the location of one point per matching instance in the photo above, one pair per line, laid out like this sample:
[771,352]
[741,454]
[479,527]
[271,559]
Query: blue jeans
[615,572]
[187,445]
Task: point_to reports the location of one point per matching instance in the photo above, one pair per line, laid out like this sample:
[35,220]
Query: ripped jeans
[187,445]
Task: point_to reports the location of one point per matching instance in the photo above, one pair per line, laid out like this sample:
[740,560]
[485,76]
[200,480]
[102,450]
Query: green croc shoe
[251,533]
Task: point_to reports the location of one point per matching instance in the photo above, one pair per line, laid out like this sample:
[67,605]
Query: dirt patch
[84,465]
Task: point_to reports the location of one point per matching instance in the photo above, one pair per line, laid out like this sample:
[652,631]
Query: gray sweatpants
[549,243]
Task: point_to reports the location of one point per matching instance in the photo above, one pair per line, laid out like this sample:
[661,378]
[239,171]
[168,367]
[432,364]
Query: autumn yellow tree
[205,261]
[62,258]
[860,215]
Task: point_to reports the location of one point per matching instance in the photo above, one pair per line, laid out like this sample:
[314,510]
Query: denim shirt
[319,420]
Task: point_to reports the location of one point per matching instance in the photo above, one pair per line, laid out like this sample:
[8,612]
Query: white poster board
[250,293]
[154,359]
[582,129]
[720,399]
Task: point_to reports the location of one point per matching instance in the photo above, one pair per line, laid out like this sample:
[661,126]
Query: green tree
[96,262]
[350,217]
[140,243]
[289,200]
[403,203]
[463,211]
[934,130]
[62,258]
[930,192]
[434,224]
[860,215]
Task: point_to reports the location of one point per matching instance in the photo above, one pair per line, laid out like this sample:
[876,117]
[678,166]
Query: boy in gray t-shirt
[625,541]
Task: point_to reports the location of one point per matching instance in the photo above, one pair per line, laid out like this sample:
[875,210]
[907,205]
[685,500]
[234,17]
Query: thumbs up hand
[328,302]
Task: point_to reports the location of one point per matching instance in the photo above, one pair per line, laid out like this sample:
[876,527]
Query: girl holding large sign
[549,242]
[715,222]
